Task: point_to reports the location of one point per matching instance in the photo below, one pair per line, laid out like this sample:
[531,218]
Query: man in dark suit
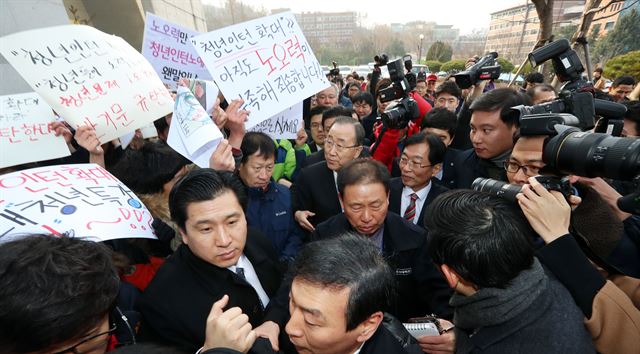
[411,193]
[218,257]
[341,288]
[364,191]
[314,194]
[328,118]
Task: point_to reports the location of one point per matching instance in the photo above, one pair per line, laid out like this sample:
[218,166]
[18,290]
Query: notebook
[422,329]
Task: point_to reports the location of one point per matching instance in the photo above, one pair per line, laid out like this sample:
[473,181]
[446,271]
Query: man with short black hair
[442,123]
[340,291]
[57,293]
[316,130]
[269,203]
[447,95]
[493,126]
[621,88]
[541,93]
[364,187]
[219,256]
[410,194]
[504,301]
[363,105]
[532,80]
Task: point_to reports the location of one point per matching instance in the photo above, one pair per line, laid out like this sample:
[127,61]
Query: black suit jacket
[421,288]
[395,197]
[313,159]
[448,168]
[176,303]
[315,190]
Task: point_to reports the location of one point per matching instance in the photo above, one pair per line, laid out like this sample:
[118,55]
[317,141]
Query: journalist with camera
[400,107]
[554,145]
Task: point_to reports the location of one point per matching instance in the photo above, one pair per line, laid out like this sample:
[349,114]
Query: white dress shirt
[251,277]
[406,199]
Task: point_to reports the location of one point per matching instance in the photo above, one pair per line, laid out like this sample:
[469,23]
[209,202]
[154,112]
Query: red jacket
[388,149]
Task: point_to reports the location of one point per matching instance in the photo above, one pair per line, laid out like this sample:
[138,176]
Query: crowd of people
[329,242]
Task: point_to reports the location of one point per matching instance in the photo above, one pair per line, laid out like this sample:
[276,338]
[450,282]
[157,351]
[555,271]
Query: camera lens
[497,188]
[593,155]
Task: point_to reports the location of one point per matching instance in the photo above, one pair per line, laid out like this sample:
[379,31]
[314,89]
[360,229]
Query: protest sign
[284,125]
[192,133]
[89,78]
[267,62]
[84,200]
[24,131]
[167,47]
[149,131]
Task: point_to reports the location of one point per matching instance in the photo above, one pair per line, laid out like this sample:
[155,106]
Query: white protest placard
[192,133]
[84,200]
[24,131]
[267,62]
[168,48]
[89,78]
[284,125]
[149,131]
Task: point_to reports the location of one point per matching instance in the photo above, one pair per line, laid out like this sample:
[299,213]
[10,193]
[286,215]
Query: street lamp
[420,47]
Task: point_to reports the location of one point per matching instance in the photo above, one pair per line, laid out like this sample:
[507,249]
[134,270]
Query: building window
[609,25]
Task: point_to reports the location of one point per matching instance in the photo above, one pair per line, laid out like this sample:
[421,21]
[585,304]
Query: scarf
[491,306]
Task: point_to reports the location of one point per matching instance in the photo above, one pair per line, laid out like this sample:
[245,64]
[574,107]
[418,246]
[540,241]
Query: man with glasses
[57,293]
[364,195]
[314,194]
[328,117]
[410,194]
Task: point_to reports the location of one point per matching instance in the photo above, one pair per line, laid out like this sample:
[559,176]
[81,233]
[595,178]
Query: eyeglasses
[411,164]
[329,144]
[528,170]
[98,344]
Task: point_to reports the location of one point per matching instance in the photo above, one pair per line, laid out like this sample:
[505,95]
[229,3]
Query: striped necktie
[410,213]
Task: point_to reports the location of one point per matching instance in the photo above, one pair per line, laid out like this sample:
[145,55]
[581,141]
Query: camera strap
[584,245]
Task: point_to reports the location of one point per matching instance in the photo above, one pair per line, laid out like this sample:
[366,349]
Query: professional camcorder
[335,71]
[406,109]
[487,68]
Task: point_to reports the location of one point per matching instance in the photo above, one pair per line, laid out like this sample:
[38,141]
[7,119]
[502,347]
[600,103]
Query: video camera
[335,71]
[406,109]
[486,68]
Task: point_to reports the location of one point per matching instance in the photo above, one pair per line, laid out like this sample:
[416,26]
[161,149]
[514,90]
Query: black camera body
[335,71]
[509,191]
[406,109]
[566,63]
[487,68]
[544,123]
[579,104]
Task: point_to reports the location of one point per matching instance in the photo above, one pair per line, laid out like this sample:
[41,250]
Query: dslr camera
[509,191]
[335,71]
[486,68]
[406,109]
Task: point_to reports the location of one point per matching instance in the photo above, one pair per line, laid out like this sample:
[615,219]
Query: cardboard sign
[167,47]
[192,132]
[84,200]
[284,125]
[24,131]
[89,78]
[267,62]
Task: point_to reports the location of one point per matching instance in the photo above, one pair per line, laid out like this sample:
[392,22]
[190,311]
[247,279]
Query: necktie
[410,213]
[240,272]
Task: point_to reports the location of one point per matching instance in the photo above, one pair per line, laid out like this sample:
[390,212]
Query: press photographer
[401,108]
